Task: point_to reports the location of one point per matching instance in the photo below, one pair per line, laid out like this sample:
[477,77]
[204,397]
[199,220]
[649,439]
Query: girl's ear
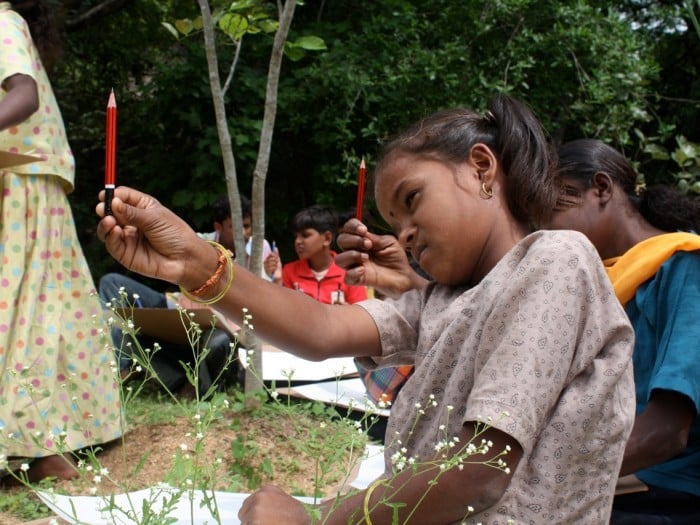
[484,162]
[603,185]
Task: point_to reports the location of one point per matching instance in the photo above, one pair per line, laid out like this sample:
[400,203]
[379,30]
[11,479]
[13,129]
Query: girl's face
[309,242]
[438,216]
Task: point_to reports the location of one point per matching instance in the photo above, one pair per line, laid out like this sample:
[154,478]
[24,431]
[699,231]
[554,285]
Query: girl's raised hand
[375,260]
[148,238]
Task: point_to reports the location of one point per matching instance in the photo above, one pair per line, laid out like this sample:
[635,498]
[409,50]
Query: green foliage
[587,68]
[23,504]
[687,157]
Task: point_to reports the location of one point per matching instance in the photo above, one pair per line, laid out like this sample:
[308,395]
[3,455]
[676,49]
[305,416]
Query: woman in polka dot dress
[58,392]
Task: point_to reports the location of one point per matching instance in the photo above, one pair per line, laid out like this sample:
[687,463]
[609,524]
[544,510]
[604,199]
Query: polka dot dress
[58,390]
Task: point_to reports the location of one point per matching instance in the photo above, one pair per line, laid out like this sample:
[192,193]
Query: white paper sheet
[94,510]
[281,366]
[371,468]
[345,393]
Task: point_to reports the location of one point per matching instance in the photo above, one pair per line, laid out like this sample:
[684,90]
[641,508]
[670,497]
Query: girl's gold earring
[488,193]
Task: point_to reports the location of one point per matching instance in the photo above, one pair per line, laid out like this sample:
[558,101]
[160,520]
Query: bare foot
[60,467]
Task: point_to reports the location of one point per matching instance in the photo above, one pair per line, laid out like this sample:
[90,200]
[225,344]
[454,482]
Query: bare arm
[413,493]
[147,238]
[660,432]
[21,101]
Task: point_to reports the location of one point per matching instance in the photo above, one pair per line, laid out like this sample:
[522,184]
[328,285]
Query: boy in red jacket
[315,272]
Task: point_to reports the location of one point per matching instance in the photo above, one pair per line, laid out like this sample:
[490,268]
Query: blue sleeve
[667,329]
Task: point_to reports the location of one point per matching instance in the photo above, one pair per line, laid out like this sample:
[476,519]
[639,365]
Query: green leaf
[171,29]
[184,25]
[310,43]
[268,25]
[293,52]
[234,25]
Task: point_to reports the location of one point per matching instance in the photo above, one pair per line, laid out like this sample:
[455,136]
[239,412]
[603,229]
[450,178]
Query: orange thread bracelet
[225,259]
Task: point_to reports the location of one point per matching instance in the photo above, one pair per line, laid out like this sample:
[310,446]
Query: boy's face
[247,228]
[225,231]
[310,242]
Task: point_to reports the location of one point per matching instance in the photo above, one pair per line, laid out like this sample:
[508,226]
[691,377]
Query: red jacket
[298,275]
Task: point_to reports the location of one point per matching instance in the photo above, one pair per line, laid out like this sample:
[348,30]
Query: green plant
[23,504]
[686,157]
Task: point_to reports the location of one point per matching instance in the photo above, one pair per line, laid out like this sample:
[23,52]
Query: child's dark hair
[662,206]
[221,210]
[320,218]
[514,134]
[44,32]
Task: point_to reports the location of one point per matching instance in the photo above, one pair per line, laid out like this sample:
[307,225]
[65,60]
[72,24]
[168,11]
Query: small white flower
[97,479]
[93,490]
[24,467]
[183,446]
[104,471]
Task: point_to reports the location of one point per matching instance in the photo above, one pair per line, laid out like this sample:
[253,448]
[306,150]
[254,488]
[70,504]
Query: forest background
[625,72]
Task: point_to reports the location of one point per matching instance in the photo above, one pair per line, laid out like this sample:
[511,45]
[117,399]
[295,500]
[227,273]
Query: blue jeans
[217,369]
[109,287]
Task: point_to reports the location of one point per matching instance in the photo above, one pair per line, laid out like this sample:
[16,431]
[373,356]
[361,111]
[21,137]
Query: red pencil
[360,190]
[110,152]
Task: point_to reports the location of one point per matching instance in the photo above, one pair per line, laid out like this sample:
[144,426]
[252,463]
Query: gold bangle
[225,260]
[368,495]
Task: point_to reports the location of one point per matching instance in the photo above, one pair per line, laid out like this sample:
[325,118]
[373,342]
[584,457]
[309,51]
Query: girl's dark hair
[320,218]
[514,134]
[662,206]
[42,26]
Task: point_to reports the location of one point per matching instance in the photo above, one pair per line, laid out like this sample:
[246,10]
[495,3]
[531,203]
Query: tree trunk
[253,380]
[261,166]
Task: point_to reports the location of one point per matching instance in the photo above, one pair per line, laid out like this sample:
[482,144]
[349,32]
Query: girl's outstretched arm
[148,238]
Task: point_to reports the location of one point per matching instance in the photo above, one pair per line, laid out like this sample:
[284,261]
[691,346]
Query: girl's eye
[410,196]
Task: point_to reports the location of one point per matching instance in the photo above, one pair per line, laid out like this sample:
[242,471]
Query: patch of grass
[23,504]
